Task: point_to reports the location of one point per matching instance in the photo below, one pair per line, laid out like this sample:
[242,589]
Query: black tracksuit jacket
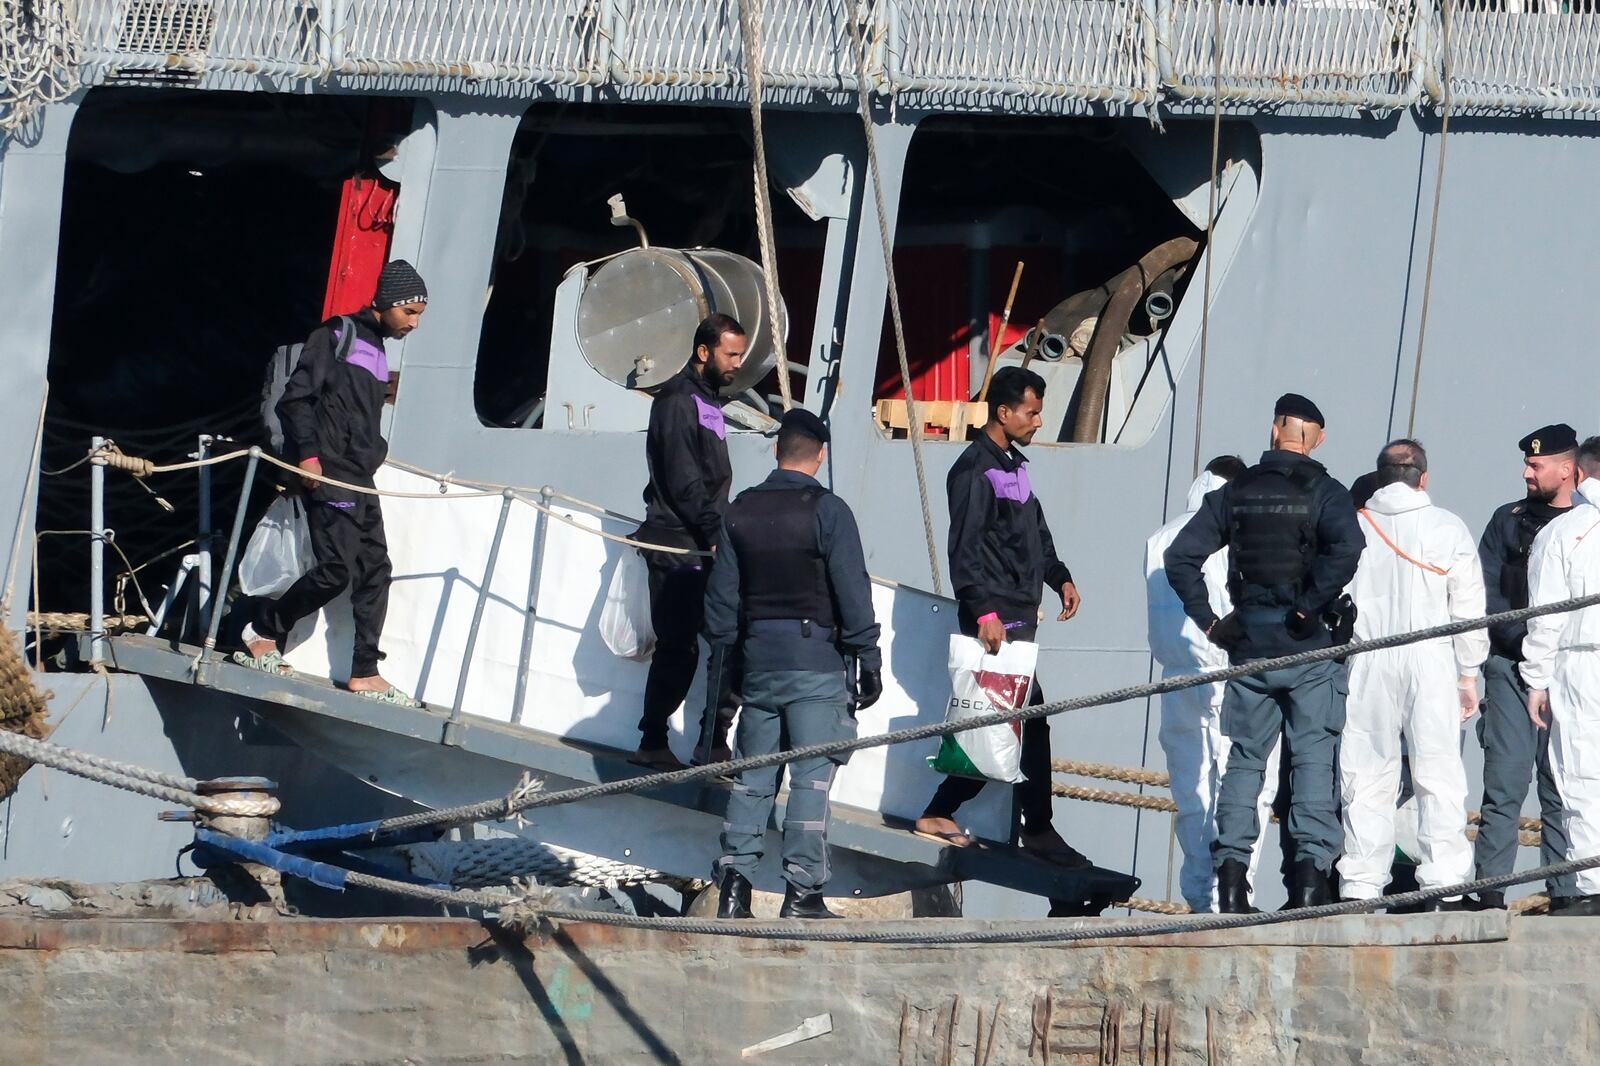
[332,409]
[687,452]
[1001,551]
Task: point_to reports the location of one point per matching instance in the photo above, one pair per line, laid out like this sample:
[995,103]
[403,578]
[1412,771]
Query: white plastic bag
[625,623]
[279,550]
[982,684]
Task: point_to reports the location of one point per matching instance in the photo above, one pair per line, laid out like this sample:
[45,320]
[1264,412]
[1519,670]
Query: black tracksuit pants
[351,551]
[677,609]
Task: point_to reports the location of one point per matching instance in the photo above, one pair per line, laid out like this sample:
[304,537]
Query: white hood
[1206,483]
[1398,498]
[1589,489]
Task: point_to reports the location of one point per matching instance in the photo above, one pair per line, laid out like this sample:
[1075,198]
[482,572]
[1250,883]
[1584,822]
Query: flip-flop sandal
[270,662]
[955,838]
[389,695]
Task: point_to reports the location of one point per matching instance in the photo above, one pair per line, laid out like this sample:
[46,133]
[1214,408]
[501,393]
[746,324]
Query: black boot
[1580,907]
[733,900]
[1311,888]
[1233,888]
[1435,906]
[799,903]
[1489,899]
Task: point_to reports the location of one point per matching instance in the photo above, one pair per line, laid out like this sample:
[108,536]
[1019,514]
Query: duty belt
[801,627]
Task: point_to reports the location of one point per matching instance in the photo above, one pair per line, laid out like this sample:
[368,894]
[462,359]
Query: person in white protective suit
[1420,569]
[1191,718]
[1561,665]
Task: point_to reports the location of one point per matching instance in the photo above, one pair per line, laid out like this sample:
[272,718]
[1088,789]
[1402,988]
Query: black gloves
[1301,626]
[1226,631]
[869,686]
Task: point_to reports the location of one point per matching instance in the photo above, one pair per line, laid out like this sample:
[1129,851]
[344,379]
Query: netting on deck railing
[1531,55]
[555,41]
[1091,49]
[1363,52]
[1546,57]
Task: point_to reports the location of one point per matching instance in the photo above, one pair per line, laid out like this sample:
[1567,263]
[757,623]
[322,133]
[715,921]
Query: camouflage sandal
[390,695]
[269,662]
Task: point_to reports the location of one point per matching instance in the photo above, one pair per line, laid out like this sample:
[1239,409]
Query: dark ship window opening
[684,173]
[1064,197]
[197,236]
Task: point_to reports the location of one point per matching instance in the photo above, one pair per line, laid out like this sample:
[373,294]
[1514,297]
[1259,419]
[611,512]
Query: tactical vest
[782,574]
[1514,568]
[1272,532]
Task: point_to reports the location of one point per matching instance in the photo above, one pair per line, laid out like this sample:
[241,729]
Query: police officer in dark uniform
[790,588]
[1293,544]
[687,452]
[1512,744]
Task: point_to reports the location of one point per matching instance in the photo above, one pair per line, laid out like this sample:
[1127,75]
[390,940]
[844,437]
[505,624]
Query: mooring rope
[500,807]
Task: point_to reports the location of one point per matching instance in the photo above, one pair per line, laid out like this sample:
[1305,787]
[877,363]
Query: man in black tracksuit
[331,411]
[1001,557]
[1512,745]
[1293,544]
[790,589]
[687,453]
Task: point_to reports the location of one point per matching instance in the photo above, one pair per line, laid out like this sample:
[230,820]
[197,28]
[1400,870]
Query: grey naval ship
[1173,210]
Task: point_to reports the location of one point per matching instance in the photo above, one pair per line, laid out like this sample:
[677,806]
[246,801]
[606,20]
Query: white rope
[40,50]
[141,468]
[1433,225]
[1211,227]
[137,779]
[750,23]
[913,420]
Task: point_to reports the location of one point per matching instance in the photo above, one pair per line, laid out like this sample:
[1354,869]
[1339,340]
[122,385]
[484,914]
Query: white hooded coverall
[1191,719]
[1419,569]
[1562,656]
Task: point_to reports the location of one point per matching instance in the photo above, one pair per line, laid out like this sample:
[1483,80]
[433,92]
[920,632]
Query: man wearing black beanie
[1293,544]
[331,411]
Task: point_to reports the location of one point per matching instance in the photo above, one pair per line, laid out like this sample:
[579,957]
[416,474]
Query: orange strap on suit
[1396,548]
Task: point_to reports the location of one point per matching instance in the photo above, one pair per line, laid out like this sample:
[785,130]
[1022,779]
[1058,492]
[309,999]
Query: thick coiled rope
[129,778]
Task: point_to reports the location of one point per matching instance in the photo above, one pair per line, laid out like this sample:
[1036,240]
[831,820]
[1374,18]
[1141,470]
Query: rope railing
[529,909]
[501,807]
[1161,779]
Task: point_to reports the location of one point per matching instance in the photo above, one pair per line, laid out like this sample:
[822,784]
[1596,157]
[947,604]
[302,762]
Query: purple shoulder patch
[1012,486]
[710,418]
[371,358]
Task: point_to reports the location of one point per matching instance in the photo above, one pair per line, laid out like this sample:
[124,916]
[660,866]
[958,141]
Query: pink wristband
[992,616]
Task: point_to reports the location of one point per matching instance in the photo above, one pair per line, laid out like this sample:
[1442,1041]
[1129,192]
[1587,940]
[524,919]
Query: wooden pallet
[944,418]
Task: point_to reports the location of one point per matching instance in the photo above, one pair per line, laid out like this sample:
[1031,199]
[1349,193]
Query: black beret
[799,420]
[1294,405]
[1549,440]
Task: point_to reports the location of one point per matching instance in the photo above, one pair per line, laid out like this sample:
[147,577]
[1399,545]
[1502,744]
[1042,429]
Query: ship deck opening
[197,233]
[684,173]
[1069,200]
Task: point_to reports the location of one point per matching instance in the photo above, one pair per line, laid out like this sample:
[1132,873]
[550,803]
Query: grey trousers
[782,710]
[1512,748]
[1306,705]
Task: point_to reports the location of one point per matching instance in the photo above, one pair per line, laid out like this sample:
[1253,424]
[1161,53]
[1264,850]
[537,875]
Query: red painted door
[360,243]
